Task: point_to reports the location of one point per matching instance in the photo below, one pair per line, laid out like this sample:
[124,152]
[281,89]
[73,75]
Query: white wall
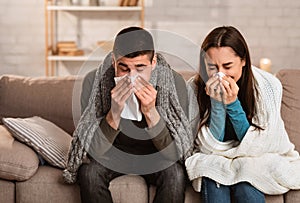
[271,28]
[21,37]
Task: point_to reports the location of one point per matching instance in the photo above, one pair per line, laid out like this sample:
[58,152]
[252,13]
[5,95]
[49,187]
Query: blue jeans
[94,180]
[242,192]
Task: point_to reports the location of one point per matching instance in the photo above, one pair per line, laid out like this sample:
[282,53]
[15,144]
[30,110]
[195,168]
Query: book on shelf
[133,2]
[121,2]
[128,2]
[66,44]
[68,48]
[77,52]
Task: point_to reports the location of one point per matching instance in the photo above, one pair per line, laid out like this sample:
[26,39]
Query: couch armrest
[290,107]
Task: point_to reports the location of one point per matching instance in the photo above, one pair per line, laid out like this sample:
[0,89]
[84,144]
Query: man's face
[140,65]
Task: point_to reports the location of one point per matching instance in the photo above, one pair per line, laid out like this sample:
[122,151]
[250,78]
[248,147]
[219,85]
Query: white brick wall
[271,28]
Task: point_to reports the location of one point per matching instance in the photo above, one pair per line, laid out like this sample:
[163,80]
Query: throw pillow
[47,139]
[17,161]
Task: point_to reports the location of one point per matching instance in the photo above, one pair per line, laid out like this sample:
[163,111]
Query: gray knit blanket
[167,104]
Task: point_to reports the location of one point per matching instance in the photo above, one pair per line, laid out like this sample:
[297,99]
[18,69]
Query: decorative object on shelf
[85,2]
[265,64]
[64,2]
[101,2]
[94,3]
[58,2]
[75,2]
[111,2]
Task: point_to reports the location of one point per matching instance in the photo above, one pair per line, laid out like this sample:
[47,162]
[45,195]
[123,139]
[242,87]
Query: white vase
[75,2]
[111,2]
[101,3]
[85,2]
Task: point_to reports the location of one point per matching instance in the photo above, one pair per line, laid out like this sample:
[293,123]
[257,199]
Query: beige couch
[51,98]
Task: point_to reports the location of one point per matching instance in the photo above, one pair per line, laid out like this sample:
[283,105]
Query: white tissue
[220,74]
[131,109]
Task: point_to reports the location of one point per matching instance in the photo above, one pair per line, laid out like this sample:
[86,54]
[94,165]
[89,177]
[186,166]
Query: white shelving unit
[50,23]
[94,8]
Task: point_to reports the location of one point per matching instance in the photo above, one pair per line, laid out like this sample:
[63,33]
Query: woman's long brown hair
[228,37]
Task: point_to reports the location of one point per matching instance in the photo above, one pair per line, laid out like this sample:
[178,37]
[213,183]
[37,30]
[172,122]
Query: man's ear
[113,63]
[154,61]
[113,60]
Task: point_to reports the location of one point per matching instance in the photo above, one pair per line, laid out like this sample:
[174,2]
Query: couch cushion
[48,140]
[191,195]
[292,196]
[7,191]
[48,97]
[47,186]
[290,107]
[129,189]
[274,198]
[17,161]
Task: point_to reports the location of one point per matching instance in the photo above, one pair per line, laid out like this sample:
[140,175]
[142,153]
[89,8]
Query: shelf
[75,58]
[52,37]
[94,8]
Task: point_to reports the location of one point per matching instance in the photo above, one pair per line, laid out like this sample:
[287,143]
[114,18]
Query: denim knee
[170,182]
[94,182]
[174,174]
[86,173]
[245,192]
[212,192]
[92,174]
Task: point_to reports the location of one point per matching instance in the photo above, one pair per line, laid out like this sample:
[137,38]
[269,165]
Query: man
[133,122]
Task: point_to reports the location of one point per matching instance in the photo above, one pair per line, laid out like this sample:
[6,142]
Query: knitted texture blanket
[167,104]
[266,159]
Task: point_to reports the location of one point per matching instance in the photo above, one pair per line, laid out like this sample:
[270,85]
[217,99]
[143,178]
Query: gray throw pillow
[47,139]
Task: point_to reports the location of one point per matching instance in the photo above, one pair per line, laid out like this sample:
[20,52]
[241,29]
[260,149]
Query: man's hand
[146,94]
[119,94]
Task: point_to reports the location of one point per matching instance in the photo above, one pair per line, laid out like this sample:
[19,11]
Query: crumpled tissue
[131,109]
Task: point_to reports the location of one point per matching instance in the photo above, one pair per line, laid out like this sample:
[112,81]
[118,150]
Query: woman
[242,149]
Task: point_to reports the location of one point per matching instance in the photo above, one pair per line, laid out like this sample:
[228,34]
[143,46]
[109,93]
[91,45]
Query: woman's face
[224,59]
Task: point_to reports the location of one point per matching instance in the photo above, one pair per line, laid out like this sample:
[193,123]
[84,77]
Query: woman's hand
[222,89]
[230,89]
[212,88]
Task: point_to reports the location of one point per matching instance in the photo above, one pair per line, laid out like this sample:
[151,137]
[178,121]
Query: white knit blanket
[266,159]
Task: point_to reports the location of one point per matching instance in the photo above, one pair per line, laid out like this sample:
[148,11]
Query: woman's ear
[154,61]
[243,62]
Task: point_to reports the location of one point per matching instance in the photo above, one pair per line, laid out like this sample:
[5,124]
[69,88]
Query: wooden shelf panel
[94,8]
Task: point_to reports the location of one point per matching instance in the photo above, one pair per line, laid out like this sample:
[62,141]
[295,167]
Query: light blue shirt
[237,117]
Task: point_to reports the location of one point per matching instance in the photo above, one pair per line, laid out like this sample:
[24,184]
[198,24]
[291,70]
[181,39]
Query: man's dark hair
[132,42]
